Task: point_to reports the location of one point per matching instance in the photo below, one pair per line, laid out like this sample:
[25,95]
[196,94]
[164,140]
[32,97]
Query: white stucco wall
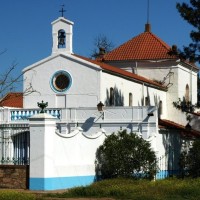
[187,76]
[56,156]
[124,87]
[175,75]
[151,69]
[84,91]
[182,77]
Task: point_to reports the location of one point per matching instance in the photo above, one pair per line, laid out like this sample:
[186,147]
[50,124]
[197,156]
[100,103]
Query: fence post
[42,131]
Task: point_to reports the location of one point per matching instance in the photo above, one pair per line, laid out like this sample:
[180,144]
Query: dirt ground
[78,198]
[40,193]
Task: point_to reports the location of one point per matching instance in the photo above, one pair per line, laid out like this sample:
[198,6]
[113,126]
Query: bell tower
[62,32]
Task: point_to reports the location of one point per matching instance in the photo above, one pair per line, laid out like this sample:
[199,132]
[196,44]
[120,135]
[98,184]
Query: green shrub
[125,155]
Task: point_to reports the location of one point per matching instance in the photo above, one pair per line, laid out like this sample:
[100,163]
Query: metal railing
[166,167]
[14,149]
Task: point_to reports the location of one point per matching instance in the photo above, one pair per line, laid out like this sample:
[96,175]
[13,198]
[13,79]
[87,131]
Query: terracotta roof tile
[12,99]
[145,46]
[118,71]
[197,113]
[184,131]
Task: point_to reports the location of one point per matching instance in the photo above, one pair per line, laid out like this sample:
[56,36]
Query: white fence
[14,128]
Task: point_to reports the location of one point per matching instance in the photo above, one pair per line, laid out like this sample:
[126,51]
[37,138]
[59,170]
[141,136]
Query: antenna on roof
[147,25]
[147,11]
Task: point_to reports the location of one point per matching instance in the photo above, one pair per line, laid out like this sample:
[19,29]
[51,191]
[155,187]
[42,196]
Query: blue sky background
[25,25]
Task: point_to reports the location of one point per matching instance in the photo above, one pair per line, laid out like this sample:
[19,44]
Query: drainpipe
[143,93]
[191,84]
[136,67]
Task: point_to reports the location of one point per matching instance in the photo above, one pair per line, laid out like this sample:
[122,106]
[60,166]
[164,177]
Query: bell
[61,38]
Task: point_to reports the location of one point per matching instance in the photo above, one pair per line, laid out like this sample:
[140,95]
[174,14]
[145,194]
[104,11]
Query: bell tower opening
[61,39]
[62,32]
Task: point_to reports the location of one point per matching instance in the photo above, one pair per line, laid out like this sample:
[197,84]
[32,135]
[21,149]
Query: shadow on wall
[172,143]
[146,101]
[159,104]
[114,97]
[88,124]
[194,121]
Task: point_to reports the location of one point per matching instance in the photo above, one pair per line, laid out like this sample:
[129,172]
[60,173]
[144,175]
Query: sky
[26,34]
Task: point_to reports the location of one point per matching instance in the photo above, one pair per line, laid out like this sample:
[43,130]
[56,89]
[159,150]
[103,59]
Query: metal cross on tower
[62,10]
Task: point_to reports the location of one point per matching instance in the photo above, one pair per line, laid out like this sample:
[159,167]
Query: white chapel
[135,87]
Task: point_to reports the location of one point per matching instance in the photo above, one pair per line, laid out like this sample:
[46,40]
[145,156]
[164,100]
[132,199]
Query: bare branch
[8,81]
[101,42]
[2,52]
[30,90]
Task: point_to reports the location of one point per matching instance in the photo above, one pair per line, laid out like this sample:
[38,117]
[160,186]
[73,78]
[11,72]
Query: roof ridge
[160,40]
[122,72]
[145,46]
[173,124]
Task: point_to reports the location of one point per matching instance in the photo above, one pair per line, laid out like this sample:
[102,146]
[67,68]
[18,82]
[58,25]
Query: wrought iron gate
[14,147]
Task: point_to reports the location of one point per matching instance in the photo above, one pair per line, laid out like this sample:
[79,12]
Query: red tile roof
[120,72]
[186,132]
[195,113]
[145,46]
[12,99]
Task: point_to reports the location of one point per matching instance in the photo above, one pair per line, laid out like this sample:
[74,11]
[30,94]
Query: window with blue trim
[61,81]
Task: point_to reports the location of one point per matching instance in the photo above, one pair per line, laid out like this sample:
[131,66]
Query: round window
[61,81]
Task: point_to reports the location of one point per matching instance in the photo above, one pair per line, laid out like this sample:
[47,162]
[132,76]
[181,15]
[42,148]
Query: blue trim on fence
[167,173]
[25,114]
[59,182]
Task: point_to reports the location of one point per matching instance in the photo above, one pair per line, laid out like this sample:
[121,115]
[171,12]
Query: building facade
[137,82]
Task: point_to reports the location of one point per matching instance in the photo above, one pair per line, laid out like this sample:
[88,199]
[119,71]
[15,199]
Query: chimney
[102,52]
[147,27]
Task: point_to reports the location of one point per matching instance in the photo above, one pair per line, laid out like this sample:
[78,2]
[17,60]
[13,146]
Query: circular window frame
[55,86]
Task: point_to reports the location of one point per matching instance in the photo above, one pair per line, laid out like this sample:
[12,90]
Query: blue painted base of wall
[167,173]
[59,183]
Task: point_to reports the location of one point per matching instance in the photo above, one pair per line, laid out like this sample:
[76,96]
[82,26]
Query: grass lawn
[169,189]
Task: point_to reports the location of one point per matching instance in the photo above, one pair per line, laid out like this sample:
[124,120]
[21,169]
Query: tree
[125,155]
[190,161]
[102,45]
[198,92]
[8,81]
[190,13]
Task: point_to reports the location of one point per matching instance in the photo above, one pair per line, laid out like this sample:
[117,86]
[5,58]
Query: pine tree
[191,13]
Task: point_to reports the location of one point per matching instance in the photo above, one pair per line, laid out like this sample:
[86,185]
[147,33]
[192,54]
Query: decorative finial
[42,105]
[147,27]
[62,10]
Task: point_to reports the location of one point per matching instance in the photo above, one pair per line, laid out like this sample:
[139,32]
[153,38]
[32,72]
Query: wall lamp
[151,110]
[100,106]
[150,114]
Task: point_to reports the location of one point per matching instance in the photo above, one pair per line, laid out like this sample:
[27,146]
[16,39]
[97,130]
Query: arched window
[147,101]
[130,99]
[187,93]
[111,96]
[160,108]
[61,38]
